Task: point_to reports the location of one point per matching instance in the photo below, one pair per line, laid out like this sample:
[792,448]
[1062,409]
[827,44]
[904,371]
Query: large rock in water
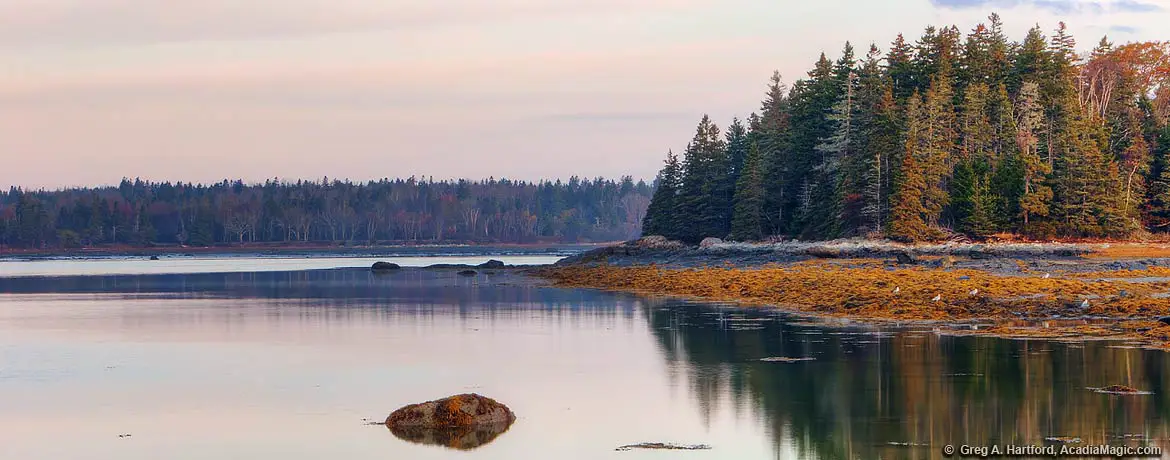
[492,264]
[383,266]
[457,411]
[460,422]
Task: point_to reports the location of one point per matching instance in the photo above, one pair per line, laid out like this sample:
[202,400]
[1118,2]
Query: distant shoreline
[283,249]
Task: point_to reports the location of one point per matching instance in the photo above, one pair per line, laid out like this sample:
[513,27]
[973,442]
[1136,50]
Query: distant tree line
[403,210]
[952,134]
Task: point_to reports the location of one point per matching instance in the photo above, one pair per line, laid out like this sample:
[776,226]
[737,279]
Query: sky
[92,91]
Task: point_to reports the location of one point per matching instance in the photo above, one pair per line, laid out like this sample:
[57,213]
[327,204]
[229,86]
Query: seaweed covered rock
[459,411]
[492,264]
[384,266]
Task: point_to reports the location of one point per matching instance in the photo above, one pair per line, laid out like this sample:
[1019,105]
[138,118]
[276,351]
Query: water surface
[291,364]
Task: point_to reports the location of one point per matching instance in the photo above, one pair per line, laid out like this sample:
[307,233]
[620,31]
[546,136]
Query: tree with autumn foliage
[965,133]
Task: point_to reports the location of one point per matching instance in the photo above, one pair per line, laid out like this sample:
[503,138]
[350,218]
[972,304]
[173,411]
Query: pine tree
[747,224]
[659,218]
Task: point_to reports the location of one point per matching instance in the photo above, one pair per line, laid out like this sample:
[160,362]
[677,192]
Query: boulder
[904,258]
[459,411]
[383,266]
[658,242]
[153,257]
[1164,320]
[710,241]
[492,264]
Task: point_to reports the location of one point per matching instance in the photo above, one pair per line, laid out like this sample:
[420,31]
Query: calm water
[288,365]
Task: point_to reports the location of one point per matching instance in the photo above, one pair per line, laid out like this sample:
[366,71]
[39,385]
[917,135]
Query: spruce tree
[747,223]
[907,212]
[838,153]
[774,139]
[660,218]
[937,156]
[737,148]
[1036,199]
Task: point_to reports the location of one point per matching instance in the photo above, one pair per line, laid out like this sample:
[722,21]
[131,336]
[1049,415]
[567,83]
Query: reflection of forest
[916,388]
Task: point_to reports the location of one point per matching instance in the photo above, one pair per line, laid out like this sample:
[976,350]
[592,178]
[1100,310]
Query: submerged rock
[382,266]
[459,411]
[905,258]
[664,446]
[1119,389]
[468,272]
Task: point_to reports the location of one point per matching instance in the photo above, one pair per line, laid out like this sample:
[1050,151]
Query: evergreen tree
[737,148]
[907,212]
[1158,193]
[900,67]
[660,217]
[937,155]
[774,139]
[704,202]
[1036,199]
[838,152]
[748,221]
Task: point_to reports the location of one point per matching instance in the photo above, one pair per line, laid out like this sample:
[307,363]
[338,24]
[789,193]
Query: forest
[952,136]
[140,213]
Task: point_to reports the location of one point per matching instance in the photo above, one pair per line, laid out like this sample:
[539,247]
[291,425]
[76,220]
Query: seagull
[1085,304]
[974,292]
[936,298]
[897,289]
[1047,275]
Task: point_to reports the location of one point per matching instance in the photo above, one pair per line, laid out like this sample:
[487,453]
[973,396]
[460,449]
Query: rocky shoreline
[1060,291]
[1005,258]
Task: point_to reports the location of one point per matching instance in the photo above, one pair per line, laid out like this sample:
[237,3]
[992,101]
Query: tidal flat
[295,363]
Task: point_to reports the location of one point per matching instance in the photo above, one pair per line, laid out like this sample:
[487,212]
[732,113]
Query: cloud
[1056,6]
[1124,29]
[26,23]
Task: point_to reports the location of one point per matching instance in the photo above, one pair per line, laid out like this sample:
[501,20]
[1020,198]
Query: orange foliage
[1130,251]
[1147,64]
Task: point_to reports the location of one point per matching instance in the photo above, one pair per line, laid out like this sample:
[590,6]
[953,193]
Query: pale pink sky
[94,90]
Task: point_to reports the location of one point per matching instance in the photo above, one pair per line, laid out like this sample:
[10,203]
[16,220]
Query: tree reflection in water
[908,393]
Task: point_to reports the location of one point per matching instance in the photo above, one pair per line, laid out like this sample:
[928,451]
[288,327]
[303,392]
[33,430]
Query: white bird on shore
[936,298]
[974,292]
[1047,275]
[897,290]
[1085,304]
